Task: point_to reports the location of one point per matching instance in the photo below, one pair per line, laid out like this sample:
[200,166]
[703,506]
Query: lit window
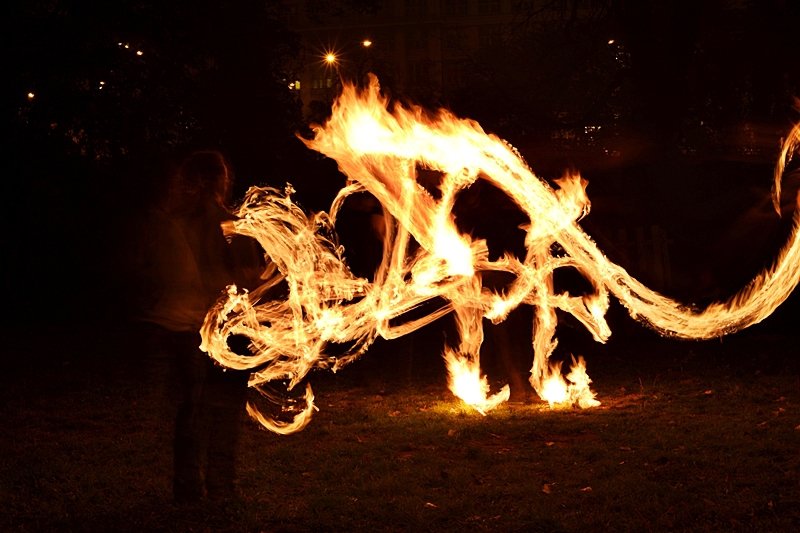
[319,83]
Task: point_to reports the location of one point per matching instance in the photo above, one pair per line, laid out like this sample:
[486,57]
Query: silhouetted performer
[188,265]
[484,211]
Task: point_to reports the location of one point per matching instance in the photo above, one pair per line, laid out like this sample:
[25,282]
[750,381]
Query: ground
[690,436]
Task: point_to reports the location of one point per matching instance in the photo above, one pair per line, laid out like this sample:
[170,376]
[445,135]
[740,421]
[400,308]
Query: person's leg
[226,397]
[191,423]
[510,341]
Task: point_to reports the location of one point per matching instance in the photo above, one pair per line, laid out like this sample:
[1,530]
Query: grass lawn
[689,437]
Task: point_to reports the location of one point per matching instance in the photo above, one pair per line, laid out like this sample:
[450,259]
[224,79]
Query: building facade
[423,49]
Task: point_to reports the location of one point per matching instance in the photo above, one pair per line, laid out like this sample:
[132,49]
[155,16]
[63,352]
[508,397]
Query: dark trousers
[208,421]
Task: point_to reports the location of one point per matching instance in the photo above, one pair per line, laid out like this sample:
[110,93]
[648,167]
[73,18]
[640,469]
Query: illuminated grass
[698,438]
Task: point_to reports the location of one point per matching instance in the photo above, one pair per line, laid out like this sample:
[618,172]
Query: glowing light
[31,96]
[139,53]
[330,58]
[366,43]
[427,261]
[467,383]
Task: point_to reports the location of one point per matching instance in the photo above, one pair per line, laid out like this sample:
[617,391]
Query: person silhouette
[189,264]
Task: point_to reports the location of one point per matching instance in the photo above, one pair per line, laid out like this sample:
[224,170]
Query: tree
[114,80]
[97,93]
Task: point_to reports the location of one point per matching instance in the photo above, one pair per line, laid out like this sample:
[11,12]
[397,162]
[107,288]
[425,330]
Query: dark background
[672,110]
[692,99]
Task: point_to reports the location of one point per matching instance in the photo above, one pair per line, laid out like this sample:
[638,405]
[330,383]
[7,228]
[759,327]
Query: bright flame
[426,260]
[554,388]
[467,383]
[572,390]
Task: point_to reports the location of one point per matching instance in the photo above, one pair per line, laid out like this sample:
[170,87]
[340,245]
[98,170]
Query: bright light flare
[426,260]
[467,383]
[572,390]
[554,389]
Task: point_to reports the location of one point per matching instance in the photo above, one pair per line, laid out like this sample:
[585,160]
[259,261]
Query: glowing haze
[326,317]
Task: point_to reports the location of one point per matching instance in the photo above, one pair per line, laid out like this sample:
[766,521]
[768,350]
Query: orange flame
[467,383]
[572,390]
[426,259]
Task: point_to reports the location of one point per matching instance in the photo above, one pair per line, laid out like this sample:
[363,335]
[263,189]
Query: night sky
[693,99]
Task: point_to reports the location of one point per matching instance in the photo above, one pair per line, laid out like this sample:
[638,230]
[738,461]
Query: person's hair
[202,174]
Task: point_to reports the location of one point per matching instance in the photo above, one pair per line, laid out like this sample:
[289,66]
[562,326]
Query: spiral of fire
[380,148]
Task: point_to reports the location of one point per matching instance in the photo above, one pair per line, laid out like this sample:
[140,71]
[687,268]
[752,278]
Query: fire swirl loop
[380,148]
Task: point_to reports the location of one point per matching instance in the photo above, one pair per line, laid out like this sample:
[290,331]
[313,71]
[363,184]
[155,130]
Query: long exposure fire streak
[426,260]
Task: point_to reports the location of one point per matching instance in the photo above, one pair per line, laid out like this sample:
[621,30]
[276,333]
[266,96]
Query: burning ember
[426,260]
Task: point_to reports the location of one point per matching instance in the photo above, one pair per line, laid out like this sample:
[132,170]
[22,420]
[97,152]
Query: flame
[467,383]
[426,260]
[573,390]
